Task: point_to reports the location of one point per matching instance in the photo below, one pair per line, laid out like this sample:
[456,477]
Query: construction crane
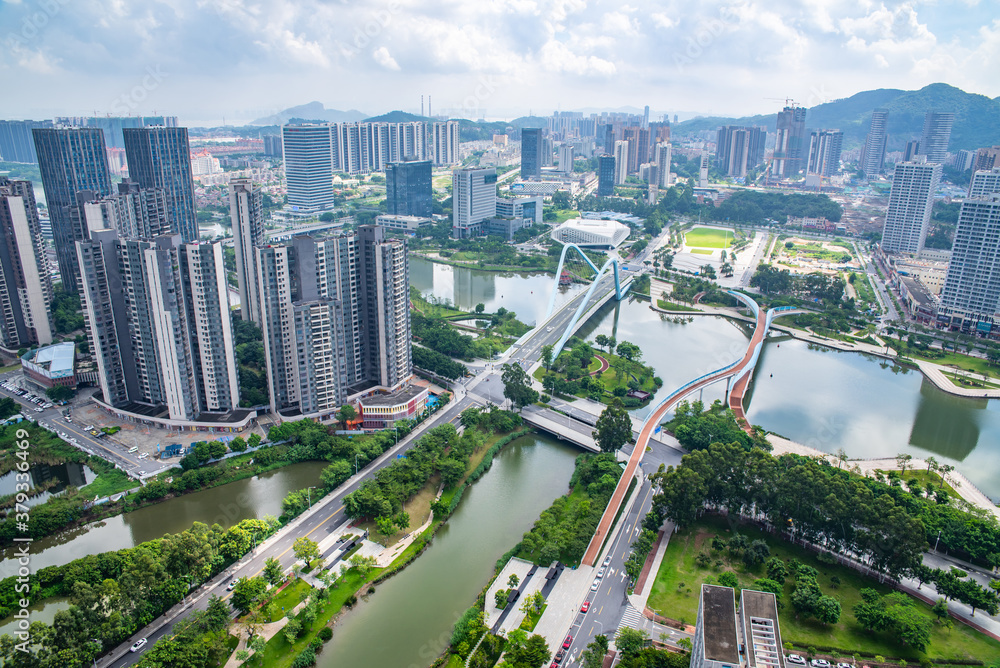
[789,102]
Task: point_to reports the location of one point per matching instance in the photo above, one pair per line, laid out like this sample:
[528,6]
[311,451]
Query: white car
[600,574]
[844,665]
[139,644]
[607,561]
[819,663]
[144,455]
[795,660]
[596,585]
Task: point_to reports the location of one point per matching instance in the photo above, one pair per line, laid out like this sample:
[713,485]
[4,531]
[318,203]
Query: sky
[206,61]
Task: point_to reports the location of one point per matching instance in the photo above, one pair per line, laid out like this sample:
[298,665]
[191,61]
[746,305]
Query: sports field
[708,237]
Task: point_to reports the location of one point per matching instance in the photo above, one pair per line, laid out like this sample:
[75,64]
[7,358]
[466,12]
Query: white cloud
[385,59]
[661,20]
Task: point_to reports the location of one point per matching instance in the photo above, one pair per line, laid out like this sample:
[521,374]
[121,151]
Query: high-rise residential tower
[739,149]
[605,176]
[985,182]
[566,158]
[70,160]
[474,200]
[987,158]
[970,298]
[246,211]
[824,152]
[25,286]
[936,135]
[873,153]
[622,151]
[910,201]
[531,153]
[408,190]
[662,159]
[444,143]
[638,147]
[160,157]
[789,148]
[16,144]
[309,169]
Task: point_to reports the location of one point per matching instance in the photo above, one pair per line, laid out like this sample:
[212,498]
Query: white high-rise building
[936,135]
[25,284]
[308,156]
[971,293]
[246,209]
[444,143]
[566,158]
[474,200]
[621,161]
[662,158]
[873,153]
[703,170]
[910,201]
[984,183]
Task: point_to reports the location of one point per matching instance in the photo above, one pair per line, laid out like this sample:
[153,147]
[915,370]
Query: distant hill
[977,117]
[314,111]
[399,117]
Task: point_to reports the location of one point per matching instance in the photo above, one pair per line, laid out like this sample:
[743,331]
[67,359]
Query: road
[328,514]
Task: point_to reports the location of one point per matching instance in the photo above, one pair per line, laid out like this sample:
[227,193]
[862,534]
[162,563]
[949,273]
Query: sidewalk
[266,631]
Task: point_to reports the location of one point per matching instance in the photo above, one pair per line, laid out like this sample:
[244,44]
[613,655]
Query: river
[226,504]
[408,621]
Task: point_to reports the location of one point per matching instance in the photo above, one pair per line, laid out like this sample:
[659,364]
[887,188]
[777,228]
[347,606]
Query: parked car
[585,607]
[594,587]
[139,644]
[819,663]
[795,660]
[600,573]
[568,641]
[844,665]
[607,561]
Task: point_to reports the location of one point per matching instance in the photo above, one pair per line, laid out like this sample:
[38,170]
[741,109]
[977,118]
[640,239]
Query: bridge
[739,371]
[620,291]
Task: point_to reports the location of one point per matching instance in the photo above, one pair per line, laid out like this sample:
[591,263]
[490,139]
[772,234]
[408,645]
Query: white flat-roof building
[603,233]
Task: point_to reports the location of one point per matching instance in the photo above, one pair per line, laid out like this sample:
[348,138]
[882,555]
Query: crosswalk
[631,619]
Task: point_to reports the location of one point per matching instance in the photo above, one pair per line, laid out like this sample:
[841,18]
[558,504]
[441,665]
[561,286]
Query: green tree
[593,656]
[273,572]
[630,641]
[60,393]
[480,307]
[305,549]
[601,340]
[345,415]
[517,386]
[247,592]
[547,356]
[827,610]
[363,565]
[513,581]
[500,598]
[729,579]
[614,427]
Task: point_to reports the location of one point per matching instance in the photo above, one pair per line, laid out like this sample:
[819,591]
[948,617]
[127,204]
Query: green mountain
[977,117]
[398,117]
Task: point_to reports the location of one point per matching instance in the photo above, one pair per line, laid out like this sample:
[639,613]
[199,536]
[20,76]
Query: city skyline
[478,60]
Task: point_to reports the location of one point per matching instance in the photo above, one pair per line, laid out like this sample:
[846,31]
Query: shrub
[325,634]
[305,659]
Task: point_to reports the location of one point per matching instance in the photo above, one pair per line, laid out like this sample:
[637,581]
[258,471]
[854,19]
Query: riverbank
[495,268]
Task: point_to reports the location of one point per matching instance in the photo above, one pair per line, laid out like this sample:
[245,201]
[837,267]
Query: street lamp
[309,494]
[355,463]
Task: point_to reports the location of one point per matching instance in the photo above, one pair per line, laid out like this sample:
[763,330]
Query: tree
[614,427]
[345,415]
[776,569]
[247,592]
[729,579]
[593,656]
[385,525]
[827,610]
[60,393]
[363,565]
[500,598]
[630,641]
[513,581]
[480,307]
[707,270]
[305,549]
[517,386]
[273,572]
[601,340]
[547,356]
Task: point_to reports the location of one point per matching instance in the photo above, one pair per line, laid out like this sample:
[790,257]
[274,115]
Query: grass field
[708,237]
[964,381]
[674,594]
[702,251]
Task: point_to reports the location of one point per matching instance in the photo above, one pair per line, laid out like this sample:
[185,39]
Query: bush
[305,659]
[325,634]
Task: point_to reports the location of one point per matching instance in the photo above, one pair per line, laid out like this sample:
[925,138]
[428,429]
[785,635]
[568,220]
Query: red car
[568,641]
[585,607]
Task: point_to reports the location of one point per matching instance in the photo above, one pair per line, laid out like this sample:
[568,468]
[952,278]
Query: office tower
[309,170]
[606,176]
[160,157]
[113,127]
[16,144]
[531,153]
[246,211]
[987,158]
[408,190]
[638,147]
[621,161]
[606,138]
[985,182]
[474,200]
[910,201]
[385,306]
[911,151]
[662,159]
[444,143]
[739,149]
[272,146]
[645,117]
[971,289]
[166,340]
[335,318]
[566,158]
[134,212]
[873,153]
[703,170]
[69,160]
[659,132]
[824,152]
[789,149]
[963,160]
[936,134]
[25,286]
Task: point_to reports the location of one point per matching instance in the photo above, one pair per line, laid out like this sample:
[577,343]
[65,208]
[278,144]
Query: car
[38,410]
[600,573]
[144,455]
[795,660]
[819,663]
[141,473]
[231,586]
[568,641]
[560,655]
[585,607]
[844,665]
[607,561]
[139,644]
[594,587]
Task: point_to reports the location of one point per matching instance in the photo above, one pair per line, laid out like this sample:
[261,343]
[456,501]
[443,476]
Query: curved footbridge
[738,375]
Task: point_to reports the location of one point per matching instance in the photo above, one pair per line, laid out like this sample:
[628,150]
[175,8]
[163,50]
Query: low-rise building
[598,233]
[382,410]
[409,224]
[51,366]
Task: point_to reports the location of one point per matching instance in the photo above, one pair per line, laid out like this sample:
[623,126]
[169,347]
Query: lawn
[419,508]
[924,476]
[289,597]
[976,365]
[674,594]
[673,306]
[107,483]
[562,215]
[961,380]
[702,251]
[531,619]
[708,237]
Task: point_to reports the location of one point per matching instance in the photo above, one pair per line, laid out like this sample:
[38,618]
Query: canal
[226,504]
[409,618]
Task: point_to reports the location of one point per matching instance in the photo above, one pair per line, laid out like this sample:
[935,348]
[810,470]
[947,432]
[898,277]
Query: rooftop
[400,396]
[55,358]
[760,627]
[719,624]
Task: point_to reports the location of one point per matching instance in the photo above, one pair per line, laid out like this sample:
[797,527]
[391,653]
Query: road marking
[305,536]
